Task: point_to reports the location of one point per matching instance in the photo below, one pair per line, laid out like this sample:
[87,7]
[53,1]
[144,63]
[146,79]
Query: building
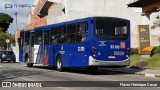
[151,9]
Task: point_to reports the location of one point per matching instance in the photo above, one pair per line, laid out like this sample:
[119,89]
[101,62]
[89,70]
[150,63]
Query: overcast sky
[22,12]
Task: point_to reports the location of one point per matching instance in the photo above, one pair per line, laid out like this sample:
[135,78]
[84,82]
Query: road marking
[1,66]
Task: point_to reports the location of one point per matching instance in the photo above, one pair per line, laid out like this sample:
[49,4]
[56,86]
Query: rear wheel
[9,61]
[27,61]
[59,64]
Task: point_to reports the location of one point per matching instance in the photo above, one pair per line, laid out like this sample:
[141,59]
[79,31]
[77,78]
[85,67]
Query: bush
[133,51]
[156,50]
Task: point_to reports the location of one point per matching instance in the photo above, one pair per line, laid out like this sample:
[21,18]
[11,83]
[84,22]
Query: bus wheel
[59,64]
[29,64]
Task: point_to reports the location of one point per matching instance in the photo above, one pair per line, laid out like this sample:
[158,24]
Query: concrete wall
[112,8]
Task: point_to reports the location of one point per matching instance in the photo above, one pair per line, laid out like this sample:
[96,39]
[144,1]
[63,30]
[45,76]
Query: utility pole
[16,20]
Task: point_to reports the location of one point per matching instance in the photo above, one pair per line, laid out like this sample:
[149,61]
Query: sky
[22,13]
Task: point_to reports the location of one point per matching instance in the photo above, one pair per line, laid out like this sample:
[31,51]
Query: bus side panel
[39,55]
[80,57]
[36,49]
[21,55]
[52,54]
[61,50]
[68,53]
[47,55]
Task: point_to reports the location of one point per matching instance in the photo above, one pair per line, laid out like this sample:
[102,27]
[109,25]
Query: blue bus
[89,42]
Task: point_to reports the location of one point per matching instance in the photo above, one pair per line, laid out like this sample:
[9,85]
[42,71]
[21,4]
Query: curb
[147,74]
[134,71]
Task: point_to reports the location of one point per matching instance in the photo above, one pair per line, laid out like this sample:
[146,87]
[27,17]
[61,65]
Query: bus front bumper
[95,62]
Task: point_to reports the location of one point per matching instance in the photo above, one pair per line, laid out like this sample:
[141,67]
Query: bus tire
[26,58]
[29,64]
[59,64]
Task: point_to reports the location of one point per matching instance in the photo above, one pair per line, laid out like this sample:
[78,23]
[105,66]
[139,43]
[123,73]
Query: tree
[3,37]
[156,23]
[5,21]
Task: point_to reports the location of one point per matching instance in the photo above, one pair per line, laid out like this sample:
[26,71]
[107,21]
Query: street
[19,72]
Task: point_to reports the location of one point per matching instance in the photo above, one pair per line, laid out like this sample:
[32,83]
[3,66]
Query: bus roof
[76,21]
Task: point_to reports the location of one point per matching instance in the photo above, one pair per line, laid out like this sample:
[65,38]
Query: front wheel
[59,64]
[14,61]
[29,64]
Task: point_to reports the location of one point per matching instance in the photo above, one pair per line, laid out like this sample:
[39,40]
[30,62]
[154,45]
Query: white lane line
[1,66]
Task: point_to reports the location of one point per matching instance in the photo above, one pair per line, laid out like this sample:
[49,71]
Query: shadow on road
[100,71]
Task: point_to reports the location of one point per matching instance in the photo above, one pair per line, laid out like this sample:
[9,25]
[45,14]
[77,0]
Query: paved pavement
[19,72]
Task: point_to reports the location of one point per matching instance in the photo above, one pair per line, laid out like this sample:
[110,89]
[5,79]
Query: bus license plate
[111,57]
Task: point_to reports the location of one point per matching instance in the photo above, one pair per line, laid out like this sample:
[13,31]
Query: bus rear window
[111,29]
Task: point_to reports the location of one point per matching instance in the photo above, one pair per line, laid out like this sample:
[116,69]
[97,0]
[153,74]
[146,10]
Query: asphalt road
[19,72]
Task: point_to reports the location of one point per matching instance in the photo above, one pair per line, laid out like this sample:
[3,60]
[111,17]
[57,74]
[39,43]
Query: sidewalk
[143,72]
[149,72]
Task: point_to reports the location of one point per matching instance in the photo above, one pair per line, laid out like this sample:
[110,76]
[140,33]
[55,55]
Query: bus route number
[114,46]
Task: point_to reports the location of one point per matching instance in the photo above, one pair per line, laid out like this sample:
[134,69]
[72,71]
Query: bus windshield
[111,29]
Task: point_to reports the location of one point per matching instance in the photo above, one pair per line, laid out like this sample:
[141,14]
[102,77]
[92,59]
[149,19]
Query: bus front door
[45,47]
[31,48]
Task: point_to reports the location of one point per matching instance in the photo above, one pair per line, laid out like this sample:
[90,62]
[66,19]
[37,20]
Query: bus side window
[26,38]
[54,39]
[53,36]
[61,38]
[46,38]
[62,34]
[71,33]
[20,40]
[82,32]
[38,37]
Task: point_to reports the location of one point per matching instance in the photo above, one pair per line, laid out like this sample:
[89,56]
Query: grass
[153,62]
[134,59]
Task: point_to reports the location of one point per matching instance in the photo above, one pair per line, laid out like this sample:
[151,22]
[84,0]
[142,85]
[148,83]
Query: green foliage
[133,51]
[5,21]
[156,50]
[156,23]
[134,59]
[3,37]
[154,61]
